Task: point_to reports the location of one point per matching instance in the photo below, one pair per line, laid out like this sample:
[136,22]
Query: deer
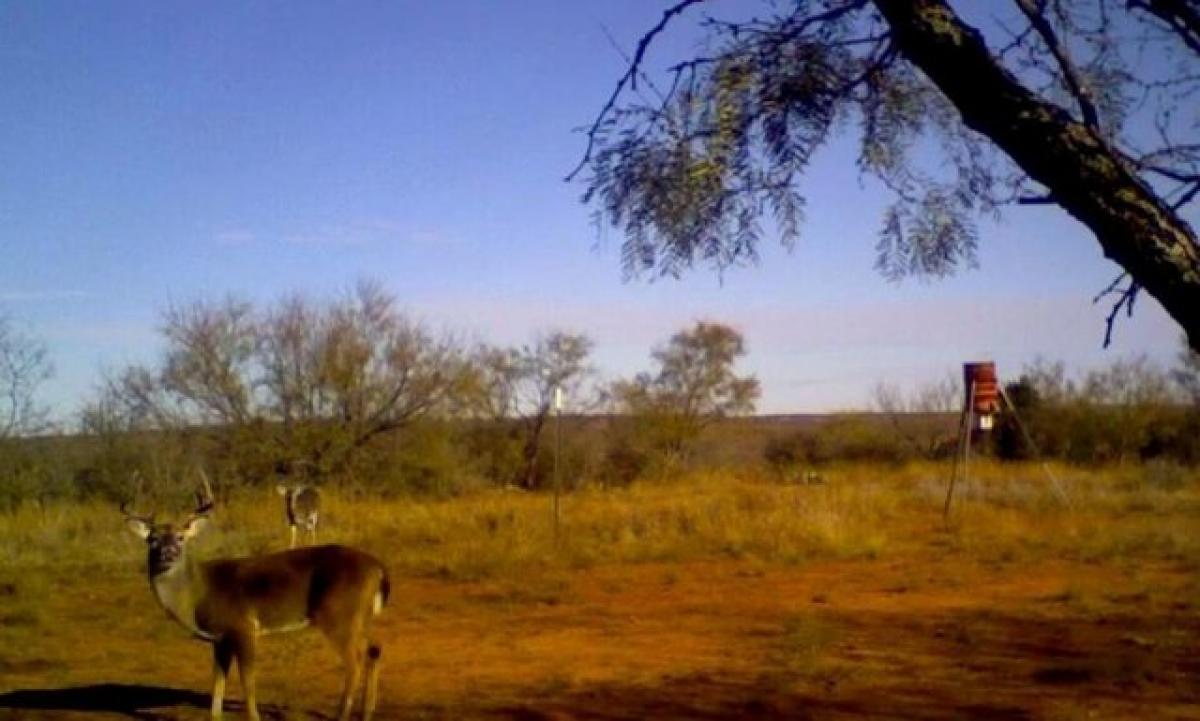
[302,504]
[230,602]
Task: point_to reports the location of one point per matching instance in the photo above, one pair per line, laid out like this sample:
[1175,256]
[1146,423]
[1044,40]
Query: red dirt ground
[916,639]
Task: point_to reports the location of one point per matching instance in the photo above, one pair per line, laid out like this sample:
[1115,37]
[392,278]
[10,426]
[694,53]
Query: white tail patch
[285,628]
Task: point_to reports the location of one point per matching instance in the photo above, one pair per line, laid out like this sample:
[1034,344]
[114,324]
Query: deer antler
[128,514]
[204,496]
[136,478]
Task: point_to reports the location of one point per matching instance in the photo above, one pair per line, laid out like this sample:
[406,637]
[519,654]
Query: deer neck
[179,591]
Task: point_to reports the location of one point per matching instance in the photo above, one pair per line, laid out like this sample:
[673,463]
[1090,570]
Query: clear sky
[153,152]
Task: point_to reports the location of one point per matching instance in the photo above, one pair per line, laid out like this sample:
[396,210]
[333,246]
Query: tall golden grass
[1005,512]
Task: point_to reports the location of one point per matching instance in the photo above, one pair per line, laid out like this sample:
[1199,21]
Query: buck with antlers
[231,602]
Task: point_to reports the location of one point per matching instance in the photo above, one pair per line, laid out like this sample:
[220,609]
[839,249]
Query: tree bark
[532,448]
[1085,175]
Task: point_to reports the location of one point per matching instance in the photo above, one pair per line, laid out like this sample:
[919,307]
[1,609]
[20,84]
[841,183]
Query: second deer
[302,505]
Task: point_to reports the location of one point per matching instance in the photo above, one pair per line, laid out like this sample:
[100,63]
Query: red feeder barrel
[987,390]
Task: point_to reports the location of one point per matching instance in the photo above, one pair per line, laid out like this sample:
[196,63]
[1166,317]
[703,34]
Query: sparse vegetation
[688,528]
[1129,410]
[830,589]
[859,511]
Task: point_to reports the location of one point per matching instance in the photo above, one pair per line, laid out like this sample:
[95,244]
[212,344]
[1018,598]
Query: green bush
[840,438]
[856,438]
[425,458]
[1166,475]
[494,451]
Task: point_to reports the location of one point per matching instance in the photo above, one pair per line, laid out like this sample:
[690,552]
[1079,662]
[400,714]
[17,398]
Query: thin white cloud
[430,237]
[340,236]
[356,233]
[122,335]
[234,237]
[41,296]
[383,225]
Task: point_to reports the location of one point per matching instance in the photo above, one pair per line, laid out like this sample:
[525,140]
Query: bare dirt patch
[922,638]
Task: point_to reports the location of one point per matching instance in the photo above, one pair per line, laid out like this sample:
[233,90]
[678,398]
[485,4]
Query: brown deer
[302,505]
[230,602]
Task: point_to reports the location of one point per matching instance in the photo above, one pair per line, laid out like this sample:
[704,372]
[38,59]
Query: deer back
[307,501]
[286,590]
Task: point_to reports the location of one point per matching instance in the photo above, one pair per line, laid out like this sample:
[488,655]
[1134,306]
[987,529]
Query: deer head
[165,543]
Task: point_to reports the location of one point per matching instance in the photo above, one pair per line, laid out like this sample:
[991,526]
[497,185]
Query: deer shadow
[145,703]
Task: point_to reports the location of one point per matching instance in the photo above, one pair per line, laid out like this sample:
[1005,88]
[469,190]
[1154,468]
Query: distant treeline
[448,457]
[1129,411]
[351,392]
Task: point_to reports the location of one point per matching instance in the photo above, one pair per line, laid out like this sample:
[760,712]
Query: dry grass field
[708,597]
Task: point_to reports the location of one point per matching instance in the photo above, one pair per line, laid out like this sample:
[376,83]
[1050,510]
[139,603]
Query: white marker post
[558,404]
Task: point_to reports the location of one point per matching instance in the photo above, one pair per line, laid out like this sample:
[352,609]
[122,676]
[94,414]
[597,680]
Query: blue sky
[153,152]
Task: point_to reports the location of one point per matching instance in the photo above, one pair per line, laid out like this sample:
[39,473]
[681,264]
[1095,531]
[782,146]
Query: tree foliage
[693,385]
[1128,410]
[1079,103]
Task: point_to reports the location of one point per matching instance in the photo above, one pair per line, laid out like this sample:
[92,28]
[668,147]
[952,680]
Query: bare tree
[24,366]
[1081,104]
[1128,382]
[300,385]
[376,372]
[1124,410]
[923,418]
[1049,382]
[209,362]
[520,384]
[1186,374]
[1132,394]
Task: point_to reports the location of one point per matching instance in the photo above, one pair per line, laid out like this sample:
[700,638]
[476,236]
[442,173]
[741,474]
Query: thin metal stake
[557,455]
[1037,451]
[964,447]
[967,440]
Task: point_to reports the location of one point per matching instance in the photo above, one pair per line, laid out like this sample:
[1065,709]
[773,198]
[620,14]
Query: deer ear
[194,525]
[139,527]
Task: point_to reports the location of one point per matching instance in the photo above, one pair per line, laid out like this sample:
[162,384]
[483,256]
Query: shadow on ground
[132,700]
[969,666]
[704,699]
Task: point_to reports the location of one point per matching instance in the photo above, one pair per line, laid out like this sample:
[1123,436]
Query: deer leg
[293,542]
[343,621]
[245,657]
[222,660]
[353,654]
[371,687]
[350,639]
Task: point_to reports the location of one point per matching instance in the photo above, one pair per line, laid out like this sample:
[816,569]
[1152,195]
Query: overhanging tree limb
[1182,16]
[629,79]
[1033,11]
[1087,177]
[772,91]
